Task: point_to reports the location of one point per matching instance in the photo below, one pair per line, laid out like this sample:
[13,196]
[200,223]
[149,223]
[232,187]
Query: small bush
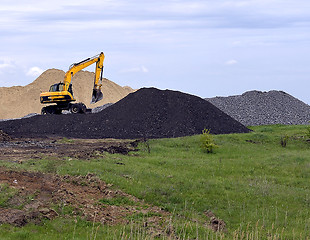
[207,142]
[284,140]
[146,144]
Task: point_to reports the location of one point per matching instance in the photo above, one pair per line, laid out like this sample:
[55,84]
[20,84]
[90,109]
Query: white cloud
[141,69]
[144,69]
[53,34]
[74,16]
[34,71]
[236,43]
[5,65]
[231,62]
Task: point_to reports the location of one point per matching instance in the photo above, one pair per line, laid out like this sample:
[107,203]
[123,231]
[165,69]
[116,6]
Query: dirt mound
[148,112]
[38,196]
[19,101]
[4,137]
[263,108]
[215,223]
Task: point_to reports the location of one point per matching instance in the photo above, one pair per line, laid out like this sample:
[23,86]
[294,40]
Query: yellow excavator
[62,94]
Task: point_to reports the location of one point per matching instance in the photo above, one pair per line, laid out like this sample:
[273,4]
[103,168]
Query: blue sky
[207,48]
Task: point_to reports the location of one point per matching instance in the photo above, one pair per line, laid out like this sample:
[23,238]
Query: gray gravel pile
[27,116]
[263,108]
[100,108]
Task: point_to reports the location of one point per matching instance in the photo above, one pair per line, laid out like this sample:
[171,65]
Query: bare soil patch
[19,150]
[214,223]
[38,196]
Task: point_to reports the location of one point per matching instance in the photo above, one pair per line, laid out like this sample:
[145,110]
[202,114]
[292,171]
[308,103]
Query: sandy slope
[19,101]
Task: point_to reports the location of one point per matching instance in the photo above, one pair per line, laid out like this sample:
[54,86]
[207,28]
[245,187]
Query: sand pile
[148,112]
[19,101]
[263,108]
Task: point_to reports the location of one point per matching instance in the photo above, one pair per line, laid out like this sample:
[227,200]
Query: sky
[202,47]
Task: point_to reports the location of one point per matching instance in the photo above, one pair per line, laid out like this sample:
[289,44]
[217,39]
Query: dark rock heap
[148,112]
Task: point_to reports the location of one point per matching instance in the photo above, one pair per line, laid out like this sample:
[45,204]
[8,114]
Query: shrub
[207,142]
[284,140]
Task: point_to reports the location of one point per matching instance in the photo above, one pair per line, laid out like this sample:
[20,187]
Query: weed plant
[207,142]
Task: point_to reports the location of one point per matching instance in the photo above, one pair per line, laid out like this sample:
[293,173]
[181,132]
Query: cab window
[56,87]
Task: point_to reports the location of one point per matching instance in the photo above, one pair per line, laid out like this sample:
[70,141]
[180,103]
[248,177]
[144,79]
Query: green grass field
[259,188]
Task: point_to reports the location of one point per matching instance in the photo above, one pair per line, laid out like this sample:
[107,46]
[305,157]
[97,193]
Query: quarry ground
[30,197]
[36,196]
[18,150]
[168,189]
[33,197]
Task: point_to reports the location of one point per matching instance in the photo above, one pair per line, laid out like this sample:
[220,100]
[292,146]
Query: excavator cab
[56,87]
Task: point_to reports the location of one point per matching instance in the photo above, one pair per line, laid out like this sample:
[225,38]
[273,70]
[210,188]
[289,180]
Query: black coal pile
[146,113]
[264,108]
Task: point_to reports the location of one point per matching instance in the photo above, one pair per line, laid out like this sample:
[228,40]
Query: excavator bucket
[97,96]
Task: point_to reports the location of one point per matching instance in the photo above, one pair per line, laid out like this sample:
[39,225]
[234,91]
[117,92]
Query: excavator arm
[76,67]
